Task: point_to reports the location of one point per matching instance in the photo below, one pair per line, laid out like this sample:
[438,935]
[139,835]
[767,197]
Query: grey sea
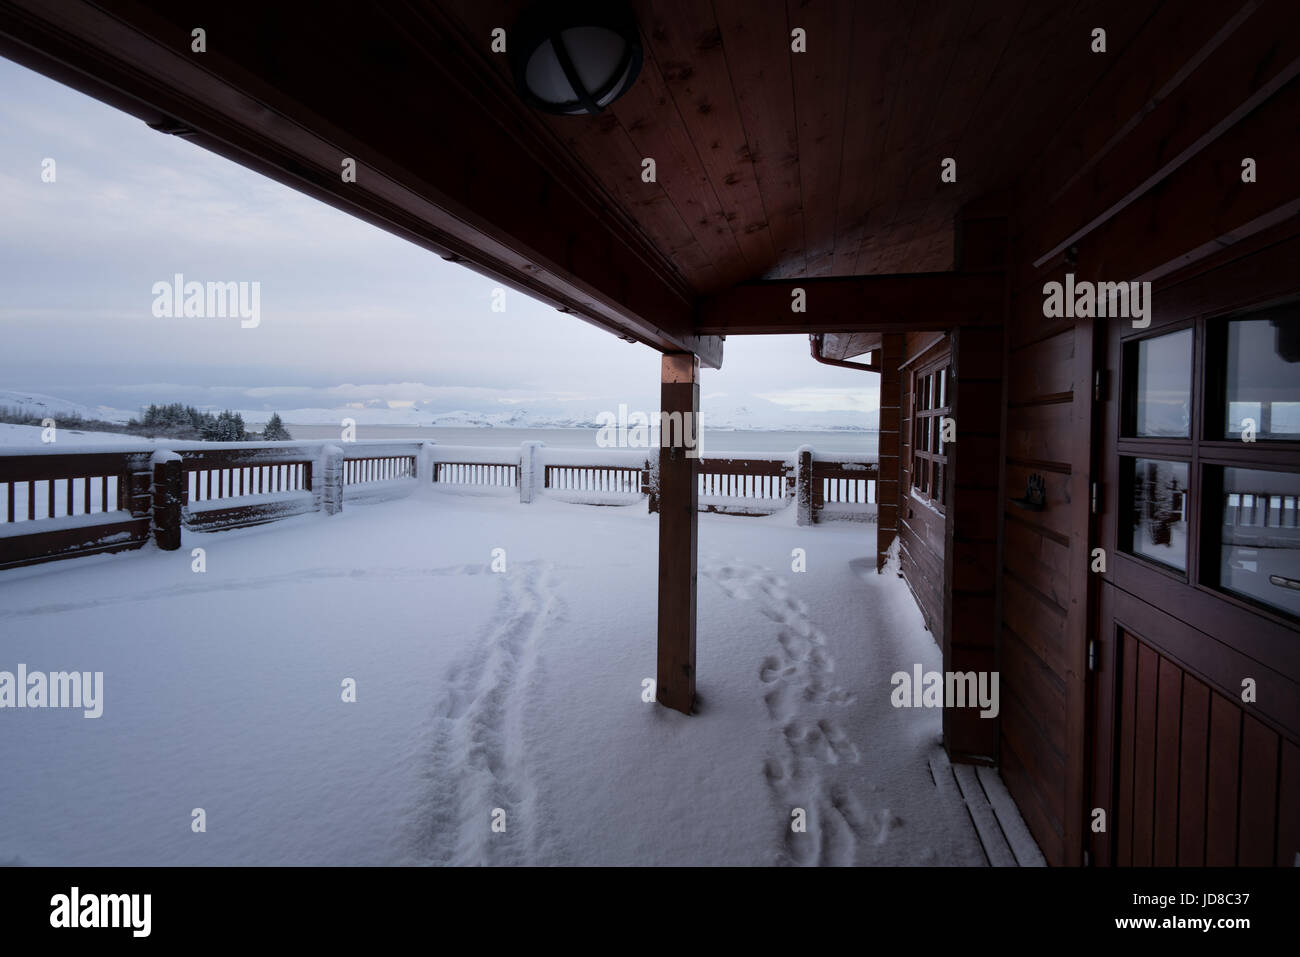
[748,441]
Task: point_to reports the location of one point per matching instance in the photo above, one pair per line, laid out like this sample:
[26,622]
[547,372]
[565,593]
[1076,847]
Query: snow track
[801,699]
[480,772]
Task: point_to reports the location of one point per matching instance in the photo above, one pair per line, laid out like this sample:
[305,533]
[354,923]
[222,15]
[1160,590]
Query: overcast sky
[349,313]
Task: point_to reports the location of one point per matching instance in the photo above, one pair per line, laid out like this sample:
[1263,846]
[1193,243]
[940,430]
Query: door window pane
[1158,521]
[1260,537]
[1263,376]
[1164,386]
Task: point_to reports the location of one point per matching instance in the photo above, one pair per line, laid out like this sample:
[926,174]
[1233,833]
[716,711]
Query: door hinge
[1087,859]
[1095,495]
[1092,655]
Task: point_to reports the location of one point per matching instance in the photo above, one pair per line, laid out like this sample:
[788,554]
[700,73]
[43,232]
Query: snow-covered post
[528,471]
[166,515]
[803,483]
[650,481]
[424,465]
[331,473]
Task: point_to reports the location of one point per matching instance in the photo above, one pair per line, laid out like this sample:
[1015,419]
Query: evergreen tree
[274,430]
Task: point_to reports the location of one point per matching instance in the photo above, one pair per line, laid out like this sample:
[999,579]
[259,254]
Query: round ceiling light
[573,58]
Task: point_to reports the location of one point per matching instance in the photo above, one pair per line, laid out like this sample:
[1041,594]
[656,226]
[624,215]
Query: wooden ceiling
[773,164]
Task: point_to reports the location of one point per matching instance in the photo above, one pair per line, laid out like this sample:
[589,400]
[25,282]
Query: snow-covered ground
[476,690]
[30,435]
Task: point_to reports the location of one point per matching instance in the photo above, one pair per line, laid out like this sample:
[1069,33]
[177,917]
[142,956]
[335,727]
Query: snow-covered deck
[478,690]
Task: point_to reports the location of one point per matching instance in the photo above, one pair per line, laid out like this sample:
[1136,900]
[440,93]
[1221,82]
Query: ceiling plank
[821,82]
[983,42]
[688,47]
[757,43]
[931,50]
[879,49]
[648,115]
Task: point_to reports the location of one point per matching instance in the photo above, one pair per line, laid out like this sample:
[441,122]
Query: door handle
[1283,582]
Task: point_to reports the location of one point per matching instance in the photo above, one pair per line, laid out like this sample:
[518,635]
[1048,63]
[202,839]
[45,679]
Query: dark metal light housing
[573,58]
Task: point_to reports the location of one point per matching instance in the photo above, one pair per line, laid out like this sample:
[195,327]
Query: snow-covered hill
[47,406]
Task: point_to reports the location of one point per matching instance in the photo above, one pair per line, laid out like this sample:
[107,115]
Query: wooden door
[924,495]
[1195,723]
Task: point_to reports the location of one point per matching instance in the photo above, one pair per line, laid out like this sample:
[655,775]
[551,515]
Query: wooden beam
[678,524]
[897,303]
[273,98]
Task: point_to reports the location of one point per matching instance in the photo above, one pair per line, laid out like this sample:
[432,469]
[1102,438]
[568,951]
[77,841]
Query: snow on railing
[56,504]
[60,504]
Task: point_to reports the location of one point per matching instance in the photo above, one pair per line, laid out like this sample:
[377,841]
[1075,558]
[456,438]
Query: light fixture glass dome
[575,58]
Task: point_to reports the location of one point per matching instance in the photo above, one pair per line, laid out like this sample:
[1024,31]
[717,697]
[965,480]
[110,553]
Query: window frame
[1205,451]
[929,460]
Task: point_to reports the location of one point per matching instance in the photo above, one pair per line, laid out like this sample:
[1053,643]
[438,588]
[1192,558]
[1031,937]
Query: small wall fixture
[1035,495]
[575,57]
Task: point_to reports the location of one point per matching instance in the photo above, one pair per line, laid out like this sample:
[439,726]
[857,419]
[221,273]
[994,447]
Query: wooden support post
[166,518]
[330,499]
[678,524]
[887,478]
[529,480]
[803,484]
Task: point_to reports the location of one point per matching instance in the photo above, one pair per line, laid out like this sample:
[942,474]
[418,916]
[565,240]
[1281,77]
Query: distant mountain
[727,418]
[757,414]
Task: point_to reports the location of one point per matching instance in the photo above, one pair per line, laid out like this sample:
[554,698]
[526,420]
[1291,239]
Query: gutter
[815,344]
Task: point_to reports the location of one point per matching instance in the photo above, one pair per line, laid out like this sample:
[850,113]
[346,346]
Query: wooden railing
[841,487]
[57,504]
[245,484]
[844,483]
[476,473]
[596,478]
[377,468]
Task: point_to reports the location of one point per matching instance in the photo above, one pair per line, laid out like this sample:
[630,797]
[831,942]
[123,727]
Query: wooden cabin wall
[971,635]
[1198,89]
[1044,560]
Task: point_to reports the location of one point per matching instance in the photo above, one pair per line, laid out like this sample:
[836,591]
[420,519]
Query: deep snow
[476,690]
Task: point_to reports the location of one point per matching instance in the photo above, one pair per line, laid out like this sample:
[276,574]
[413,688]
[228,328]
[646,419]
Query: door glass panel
[1260,537]
[1164,385]
[1263,376]
[1158,522]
